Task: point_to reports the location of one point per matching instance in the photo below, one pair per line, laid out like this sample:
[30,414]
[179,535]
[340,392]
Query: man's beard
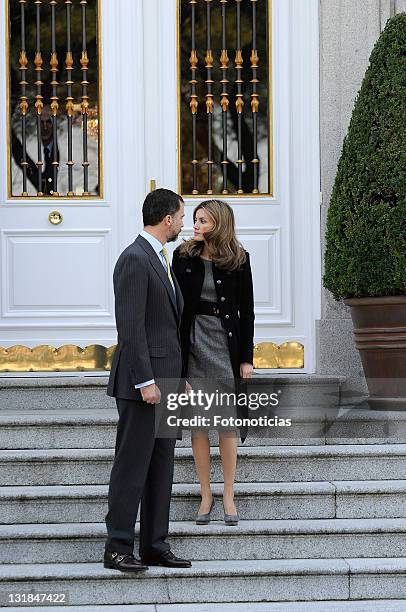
[173,237]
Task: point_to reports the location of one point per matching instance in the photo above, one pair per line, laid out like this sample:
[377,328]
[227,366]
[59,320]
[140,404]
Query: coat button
[227,316]
[223,299]
[230,334]
[219,282]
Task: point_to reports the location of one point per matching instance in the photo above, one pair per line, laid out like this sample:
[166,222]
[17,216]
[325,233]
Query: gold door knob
[55,217]
[152,185]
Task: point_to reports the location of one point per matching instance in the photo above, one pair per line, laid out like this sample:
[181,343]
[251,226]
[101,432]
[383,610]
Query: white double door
[56,281]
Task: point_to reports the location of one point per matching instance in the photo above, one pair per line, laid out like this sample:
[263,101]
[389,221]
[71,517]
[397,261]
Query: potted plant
[365,259]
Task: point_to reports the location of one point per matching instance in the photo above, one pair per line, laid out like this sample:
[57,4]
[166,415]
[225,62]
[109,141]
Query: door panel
[282,231]
[60,275]
[56,280]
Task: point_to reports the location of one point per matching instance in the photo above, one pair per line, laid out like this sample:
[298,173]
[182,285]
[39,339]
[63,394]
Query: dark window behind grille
[225,110]
[54,98]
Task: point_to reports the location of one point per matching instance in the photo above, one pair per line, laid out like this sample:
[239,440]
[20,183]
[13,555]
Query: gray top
[209,355]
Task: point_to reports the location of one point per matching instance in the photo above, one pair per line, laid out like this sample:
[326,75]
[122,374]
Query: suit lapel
[179,296]
[159,269]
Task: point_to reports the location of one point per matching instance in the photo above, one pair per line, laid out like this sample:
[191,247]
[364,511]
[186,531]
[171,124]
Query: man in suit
[148,306]
[47,176]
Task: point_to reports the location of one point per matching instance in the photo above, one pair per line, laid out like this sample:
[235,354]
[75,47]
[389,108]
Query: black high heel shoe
[230,519]
[204,519]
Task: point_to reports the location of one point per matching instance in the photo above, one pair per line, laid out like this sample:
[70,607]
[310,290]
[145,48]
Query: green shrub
[366,224]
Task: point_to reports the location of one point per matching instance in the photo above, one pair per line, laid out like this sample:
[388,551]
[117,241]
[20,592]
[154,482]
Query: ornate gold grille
[54,98]
[225,97]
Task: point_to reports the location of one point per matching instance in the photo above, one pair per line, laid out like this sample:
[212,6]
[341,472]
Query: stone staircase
[323,518]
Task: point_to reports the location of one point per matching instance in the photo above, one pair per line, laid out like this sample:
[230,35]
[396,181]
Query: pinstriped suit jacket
[148,317]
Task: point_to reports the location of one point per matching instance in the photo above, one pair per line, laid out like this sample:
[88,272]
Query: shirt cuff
[145,384]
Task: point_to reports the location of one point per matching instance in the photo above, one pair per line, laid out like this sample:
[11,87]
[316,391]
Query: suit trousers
[142,472]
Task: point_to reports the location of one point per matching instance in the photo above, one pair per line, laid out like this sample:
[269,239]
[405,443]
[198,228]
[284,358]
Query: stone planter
[380,336]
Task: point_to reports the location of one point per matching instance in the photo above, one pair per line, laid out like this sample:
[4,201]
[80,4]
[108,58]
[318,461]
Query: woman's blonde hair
[224,248]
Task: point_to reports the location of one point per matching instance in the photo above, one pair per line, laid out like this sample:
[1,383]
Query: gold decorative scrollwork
[70,107]
[224,103]
[69,60]
[254,81]
[209,58]
[209,103]
[23,105]
[54,69]
[209,96]
[194,104]
[23,60]
[97,358]
[38,61]
[254,103]
[193,59]
[54,106]
[268,355]
[45,358]
[238,59]
[224,61]
[54,62]
[23,98]
[254,59]
[39,105]
[84,61]
[239,104]
[193,96]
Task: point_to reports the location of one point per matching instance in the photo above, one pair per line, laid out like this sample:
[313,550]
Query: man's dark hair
[158,204]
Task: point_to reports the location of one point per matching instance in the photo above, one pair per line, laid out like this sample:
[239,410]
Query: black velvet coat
[236,304]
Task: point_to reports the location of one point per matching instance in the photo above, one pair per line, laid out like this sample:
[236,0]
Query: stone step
[97,429]
[219,581]
[88,503]
[255,464]
[259,539]
[375,605]
[284,500]
[87,391]
[54,393]
[48,429]
[91,428]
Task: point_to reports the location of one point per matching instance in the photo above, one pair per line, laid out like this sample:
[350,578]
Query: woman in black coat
[217,329]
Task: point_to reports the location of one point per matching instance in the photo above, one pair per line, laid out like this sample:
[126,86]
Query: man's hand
[246,370]
[151,394]
[188,388]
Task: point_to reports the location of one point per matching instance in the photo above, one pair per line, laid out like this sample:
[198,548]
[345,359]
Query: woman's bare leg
[228,453]
[201,454]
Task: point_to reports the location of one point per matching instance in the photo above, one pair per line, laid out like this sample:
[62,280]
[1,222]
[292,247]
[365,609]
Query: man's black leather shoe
[168,559]
[123,563]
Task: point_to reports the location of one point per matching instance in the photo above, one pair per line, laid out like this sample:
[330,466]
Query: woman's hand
[246,370]
[188,388]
